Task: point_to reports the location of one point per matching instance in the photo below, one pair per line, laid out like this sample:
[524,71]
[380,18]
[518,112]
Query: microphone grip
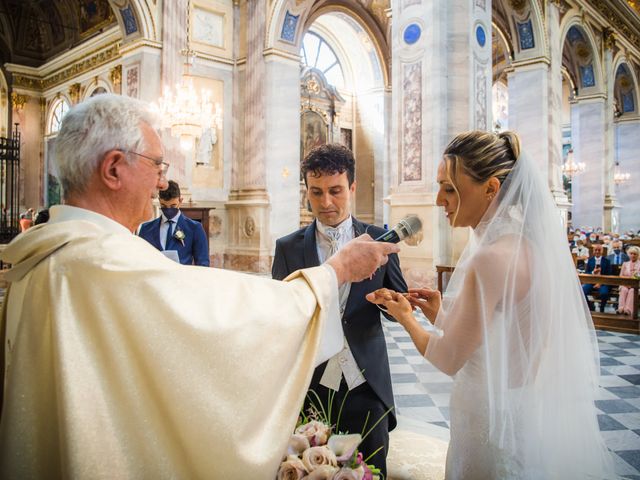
[390,236]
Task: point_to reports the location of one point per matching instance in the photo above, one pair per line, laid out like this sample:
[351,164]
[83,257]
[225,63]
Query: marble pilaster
[528,116]
[554,95]
[282,152]
[588,188]
[627,133]
[611,206]
[248,208]
[441,87]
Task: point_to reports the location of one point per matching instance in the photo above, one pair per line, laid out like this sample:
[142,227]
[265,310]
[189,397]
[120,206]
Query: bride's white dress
[519,340]
[472,453]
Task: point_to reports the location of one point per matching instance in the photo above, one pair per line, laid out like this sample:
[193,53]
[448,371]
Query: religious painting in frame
[313,131]
[94,15]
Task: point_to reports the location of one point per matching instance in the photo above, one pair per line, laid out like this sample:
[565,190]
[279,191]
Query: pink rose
[291,469]
[314,457]
[316,432]
[346,473]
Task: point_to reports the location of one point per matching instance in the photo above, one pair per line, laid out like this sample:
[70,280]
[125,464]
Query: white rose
[291,469]
[314,457]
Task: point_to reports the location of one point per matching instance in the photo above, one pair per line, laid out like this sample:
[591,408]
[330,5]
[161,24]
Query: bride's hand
[396,304]
[427,300]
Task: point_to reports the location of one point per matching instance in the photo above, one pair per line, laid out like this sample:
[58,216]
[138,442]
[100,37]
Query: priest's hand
[360,258]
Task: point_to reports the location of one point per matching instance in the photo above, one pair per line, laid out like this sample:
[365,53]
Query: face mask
[617,251]
[593,239]
[575,239]
[170,212]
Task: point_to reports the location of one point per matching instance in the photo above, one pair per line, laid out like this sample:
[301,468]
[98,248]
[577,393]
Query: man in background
[597,265]
[617,257]
[174,231]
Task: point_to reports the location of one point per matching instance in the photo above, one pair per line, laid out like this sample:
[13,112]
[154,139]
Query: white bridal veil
[519,336]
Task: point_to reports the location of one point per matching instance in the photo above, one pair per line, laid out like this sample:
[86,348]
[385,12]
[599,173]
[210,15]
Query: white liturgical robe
[121,363]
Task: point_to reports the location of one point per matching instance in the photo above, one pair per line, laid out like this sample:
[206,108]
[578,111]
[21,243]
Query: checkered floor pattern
[422,392]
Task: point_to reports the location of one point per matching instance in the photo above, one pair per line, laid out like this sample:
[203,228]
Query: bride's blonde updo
[482,155]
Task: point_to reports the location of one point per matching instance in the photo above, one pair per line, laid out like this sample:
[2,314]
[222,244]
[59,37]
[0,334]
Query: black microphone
[407,227]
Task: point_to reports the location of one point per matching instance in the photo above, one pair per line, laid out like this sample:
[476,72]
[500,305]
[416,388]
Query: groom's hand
[396,304]
[360,258]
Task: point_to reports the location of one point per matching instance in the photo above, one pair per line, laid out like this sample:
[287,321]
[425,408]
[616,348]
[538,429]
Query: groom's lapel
[310,248]
[358,289]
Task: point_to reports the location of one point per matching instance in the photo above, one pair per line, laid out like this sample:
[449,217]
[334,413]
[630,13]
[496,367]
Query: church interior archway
[343,101]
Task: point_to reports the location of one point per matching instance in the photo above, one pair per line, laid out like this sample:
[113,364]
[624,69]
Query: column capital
[609,38]
[18,100]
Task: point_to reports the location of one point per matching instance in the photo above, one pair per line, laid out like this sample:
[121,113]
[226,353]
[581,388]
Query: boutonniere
[179,235]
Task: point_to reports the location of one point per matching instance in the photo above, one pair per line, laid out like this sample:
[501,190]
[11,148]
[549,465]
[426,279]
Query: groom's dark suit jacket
[361,320]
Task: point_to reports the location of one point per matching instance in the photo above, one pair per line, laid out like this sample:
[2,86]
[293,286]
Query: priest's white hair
[92,128]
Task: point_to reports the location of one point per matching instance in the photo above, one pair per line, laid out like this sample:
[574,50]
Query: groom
[360,372]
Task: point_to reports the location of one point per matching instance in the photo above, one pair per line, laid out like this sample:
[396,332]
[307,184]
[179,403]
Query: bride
[517,333]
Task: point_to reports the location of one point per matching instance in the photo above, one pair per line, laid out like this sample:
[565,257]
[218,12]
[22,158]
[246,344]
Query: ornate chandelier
[620,177]
[187,113]
[571,167]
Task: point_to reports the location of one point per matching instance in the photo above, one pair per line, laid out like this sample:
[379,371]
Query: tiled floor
[422,392]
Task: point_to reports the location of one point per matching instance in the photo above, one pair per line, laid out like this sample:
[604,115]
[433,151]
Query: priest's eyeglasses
[158,162]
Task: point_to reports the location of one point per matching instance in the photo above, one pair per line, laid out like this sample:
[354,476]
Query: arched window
[98,91]
[318,54]
[59,111]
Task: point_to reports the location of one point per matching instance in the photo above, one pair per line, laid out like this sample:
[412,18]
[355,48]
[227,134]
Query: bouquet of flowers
[316,453]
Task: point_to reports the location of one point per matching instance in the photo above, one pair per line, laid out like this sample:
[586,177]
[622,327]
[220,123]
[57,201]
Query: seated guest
[597,265]
[617,256]
[581,252]
[630,268]
[26,220]
[592,239]
[177,232]
[608,247]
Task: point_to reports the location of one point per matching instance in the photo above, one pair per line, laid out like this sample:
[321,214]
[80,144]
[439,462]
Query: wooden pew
[615,321]
[603,321]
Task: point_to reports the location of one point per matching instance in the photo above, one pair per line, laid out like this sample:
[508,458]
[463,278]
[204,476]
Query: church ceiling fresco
[34,31]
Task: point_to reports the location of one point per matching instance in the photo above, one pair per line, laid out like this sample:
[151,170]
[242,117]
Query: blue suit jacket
[195,250]
[605,266]
[361,320]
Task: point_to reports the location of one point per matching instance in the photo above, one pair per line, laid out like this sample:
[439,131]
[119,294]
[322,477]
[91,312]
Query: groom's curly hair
[329,159]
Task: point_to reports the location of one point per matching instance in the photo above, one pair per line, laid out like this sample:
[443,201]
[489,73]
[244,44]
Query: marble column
[554,101]
[282,153]
[442,79]
[248,206]
[627,133]
[588,138]
[528,115]
[611,206]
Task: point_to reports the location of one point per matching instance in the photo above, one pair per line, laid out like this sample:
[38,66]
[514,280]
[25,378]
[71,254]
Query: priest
[120,363]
